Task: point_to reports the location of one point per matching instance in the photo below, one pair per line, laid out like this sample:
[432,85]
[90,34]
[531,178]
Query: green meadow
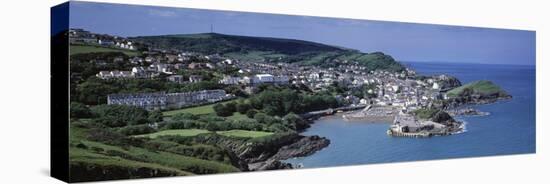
[80,49]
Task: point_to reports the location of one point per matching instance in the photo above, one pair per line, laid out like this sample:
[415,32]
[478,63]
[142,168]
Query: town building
[176,78]
[230,80]
[266,79]
[149,101]
[195,78]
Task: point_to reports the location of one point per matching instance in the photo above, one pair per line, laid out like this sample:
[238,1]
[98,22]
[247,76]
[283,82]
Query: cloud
[162,13]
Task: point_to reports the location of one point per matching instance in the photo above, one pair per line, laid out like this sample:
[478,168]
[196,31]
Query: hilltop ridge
[267,49]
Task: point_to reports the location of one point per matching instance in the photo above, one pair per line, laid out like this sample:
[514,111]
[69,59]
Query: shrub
[243,108]
[155,116]
[79,110]
[231,107]
[113,138]
[182,124]
[222,110]
[120,115]
[251,113]
[295,122]
[136,130]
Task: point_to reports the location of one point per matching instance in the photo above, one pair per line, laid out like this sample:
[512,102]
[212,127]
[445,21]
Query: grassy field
[425,113]
[238,116]
[204,109]
[244,133]
[78,49]
[255,55]
[78,156]
[198,110]
[180,132]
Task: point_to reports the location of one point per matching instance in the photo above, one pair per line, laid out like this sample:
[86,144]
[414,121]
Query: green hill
[247,48]
[482,88]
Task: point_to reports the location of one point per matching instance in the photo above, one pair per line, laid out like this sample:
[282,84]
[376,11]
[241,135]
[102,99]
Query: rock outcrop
[270,164]
[447,82]
[265,154]
[304,147]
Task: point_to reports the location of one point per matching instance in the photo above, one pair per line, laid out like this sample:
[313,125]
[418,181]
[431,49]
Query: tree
[155,116]
[222,110]
[251,113]
[243,107]
[120,115]
[236,90]
[231,107]
[136,130]
[212,126]
[295,122]
[79,110]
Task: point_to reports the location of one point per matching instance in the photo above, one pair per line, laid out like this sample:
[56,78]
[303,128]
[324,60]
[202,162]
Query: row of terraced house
[162,100]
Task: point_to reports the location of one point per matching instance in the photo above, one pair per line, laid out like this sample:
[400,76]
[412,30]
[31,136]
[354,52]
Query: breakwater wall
[330,111]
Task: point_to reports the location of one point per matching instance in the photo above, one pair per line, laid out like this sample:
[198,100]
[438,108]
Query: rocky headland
[477,92]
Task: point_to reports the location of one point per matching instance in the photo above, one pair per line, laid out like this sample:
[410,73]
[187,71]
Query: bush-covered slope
[92,158]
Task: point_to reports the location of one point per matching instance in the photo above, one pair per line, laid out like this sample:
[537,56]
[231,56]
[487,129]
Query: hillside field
[79,49]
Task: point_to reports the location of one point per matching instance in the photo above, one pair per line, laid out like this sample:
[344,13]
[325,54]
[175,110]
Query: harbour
[509,127]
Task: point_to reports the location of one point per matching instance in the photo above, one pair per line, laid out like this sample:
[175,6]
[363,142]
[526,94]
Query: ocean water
[509,129]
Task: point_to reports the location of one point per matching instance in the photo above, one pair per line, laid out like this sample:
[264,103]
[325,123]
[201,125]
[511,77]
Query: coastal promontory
[477,92]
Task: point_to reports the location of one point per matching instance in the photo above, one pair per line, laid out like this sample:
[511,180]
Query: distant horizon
[464,62]
[403,41]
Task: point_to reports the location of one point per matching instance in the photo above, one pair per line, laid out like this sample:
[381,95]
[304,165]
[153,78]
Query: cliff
[265,153]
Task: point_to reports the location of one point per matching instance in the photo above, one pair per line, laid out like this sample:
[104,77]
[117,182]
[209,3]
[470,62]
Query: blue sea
[509,129]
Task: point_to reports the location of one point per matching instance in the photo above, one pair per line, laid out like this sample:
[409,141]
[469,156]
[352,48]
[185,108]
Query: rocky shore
[473,100]
[251,155]
[305,146]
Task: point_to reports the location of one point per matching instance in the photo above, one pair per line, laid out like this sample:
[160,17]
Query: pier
[422,134]
[373,113]
[330,111]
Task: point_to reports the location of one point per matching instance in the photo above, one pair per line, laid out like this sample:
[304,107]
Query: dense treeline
[260,122]
[120,115]
[279,102]
[115,115]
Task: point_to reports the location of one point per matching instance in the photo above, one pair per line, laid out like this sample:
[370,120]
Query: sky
[403,41]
